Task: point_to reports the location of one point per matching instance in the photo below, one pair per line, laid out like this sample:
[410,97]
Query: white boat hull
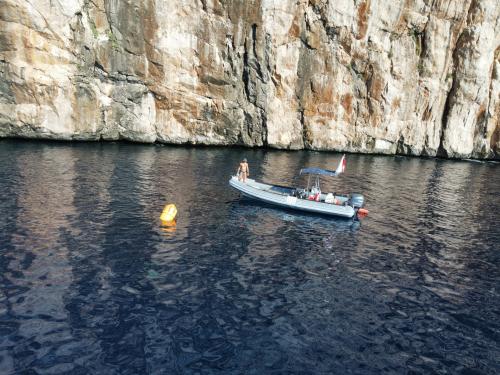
[263,193]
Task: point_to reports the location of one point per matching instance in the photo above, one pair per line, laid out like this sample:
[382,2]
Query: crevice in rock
[254,39]
[267,57]
[99,67]
[461,40]
[332,32]
[230,55]
[423,49]
[265,142]
[305,135]
[485,114]
[246,73]
[495,138]
[441,152]
[255,60]
[401,147]
[252,68]
[204,5]
[306,44]
[419,41]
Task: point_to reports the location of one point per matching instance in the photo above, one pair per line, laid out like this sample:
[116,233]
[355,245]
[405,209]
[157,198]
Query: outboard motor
[357,200]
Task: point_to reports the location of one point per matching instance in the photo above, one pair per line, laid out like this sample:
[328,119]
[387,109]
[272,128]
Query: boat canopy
[318,171]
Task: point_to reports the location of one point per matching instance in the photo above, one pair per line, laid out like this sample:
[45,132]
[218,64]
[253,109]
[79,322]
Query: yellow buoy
[169,213]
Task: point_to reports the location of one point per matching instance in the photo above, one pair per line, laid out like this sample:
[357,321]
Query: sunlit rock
[414,78]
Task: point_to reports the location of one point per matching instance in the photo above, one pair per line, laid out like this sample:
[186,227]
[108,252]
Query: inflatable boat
[310,199]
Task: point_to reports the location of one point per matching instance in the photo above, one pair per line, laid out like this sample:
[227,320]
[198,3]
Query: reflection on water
[92,282]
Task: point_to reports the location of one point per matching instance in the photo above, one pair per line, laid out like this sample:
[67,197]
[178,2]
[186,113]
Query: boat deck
[288,191]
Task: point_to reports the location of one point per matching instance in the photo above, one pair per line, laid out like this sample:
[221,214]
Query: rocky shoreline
[236,146]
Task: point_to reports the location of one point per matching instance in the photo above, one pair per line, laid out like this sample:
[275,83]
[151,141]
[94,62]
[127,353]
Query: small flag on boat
[341,168]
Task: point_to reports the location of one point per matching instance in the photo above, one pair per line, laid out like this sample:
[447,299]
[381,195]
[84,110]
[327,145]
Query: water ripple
[92,283]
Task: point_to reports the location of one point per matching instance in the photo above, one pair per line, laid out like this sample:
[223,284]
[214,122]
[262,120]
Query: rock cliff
[419,77]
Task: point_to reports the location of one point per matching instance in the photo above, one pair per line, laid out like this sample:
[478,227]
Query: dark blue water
[91,283]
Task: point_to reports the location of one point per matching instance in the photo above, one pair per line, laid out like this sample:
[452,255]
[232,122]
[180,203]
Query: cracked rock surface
[416,77]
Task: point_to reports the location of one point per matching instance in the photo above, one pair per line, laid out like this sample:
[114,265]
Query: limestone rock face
[414,77]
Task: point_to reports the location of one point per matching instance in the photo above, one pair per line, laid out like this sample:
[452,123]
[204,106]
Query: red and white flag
[341,168]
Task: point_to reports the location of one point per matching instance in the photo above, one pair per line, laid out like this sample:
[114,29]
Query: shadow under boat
[249,206]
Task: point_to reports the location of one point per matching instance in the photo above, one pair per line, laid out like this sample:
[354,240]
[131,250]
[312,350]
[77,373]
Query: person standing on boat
[243,171]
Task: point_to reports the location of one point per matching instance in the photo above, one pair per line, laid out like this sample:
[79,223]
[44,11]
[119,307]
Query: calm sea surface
[91,283]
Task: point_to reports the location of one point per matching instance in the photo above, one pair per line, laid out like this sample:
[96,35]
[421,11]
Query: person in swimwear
[243,171]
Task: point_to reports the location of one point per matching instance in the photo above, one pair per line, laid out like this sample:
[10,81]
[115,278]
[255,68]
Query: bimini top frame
[319,172]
